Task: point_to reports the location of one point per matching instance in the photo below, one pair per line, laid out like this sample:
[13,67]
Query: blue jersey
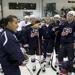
[23,35]
[11,55]
[32,35]
[47,32]
[70,28]
[1,31]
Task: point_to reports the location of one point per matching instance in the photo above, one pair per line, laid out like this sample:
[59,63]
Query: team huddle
[40,37]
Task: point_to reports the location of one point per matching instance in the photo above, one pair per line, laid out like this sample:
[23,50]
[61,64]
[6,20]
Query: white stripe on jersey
[6,39]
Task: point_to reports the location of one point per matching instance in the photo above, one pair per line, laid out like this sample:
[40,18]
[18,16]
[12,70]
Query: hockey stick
[52,65]
[40,67]
[39,71]
[29,70]
[40,56]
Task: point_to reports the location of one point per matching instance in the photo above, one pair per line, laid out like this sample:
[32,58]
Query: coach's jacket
[10,53]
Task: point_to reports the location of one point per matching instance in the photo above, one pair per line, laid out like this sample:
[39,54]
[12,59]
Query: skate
[48,60]
[34,68]
[48,64]
[43,69]
[56,63]
[43,65]
[1,71]
[33,60]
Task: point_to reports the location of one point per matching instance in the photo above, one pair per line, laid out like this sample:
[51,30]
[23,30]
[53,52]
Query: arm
[12,48]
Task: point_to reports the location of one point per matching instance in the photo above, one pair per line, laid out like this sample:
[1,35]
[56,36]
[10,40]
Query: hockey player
[67,41]
[47,36]
[57,22]
[32,32]
[24,23]
[57,36]
[21,32]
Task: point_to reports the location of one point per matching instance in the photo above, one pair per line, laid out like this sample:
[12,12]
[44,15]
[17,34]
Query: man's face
[47,19]
[13,25]
[27,19]
[33,21]
[70,18]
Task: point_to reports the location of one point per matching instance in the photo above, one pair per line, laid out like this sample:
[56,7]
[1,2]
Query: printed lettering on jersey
[67,29]
[34,32]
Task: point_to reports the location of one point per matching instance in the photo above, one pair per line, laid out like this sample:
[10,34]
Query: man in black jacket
[11,55]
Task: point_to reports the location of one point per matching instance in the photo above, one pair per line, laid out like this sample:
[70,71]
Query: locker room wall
[19,13]
[59,3]
[38,11]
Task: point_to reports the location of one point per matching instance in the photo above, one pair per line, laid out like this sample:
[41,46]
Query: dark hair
[37,21]
[3,22]
[10,18]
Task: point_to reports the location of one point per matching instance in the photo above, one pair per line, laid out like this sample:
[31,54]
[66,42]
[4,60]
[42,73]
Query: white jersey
[22,24]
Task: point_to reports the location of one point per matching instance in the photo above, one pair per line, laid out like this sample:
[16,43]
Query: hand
[64,34]
[23,65]
[32,35]
[53,29]
[67,33]
[23,50]
[26,45]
